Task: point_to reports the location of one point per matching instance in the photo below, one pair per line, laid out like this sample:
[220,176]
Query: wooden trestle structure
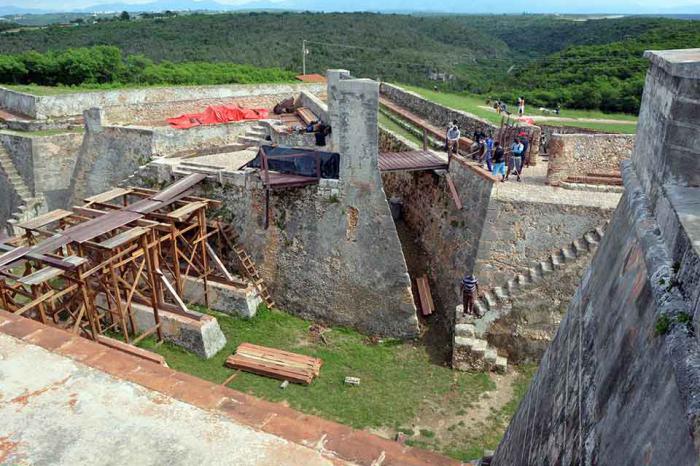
[83,270]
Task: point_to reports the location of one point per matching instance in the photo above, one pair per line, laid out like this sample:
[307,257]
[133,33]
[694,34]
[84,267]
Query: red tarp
[216,115]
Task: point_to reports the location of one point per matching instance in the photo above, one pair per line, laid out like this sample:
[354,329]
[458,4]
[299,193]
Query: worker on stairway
[470,291]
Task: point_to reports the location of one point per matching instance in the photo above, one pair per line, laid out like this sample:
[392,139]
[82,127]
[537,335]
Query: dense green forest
[106,65]
[549,60]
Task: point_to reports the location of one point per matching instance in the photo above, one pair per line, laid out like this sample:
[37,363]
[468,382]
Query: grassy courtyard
[400,390]
[475,105]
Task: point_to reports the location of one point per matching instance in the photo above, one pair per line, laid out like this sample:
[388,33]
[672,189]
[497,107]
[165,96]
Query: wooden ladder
[230,236]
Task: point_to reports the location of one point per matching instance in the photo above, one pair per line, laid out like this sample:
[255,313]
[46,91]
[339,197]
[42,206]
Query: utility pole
[303,56]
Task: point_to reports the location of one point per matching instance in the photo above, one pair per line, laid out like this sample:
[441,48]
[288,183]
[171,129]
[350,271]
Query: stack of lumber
[275,363]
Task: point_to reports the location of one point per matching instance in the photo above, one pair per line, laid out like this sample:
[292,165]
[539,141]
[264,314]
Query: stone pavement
[533,188]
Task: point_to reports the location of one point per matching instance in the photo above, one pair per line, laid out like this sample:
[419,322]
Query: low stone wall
[170,141]
[392,142]
[42,107]
[450,236]
[439,115]
[581,154]
[18,102]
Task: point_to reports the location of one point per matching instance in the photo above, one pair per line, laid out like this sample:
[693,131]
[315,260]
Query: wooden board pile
[425,296]
[275,363]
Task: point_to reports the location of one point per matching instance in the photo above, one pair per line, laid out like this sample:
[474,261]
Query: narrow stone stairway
[470,349]
[254,136]
[30,205]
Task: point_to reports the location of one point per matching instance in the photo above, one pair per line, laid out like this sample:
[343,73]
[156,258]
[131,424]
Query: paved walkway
[57,411]
[533,188]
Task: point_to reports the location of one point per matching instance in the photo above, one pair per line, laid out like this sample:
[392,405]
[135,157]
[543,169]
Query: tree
[124,16]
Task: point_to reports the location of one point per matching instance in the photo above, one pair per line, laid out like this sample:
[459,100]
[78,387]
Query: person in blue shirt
[489,151]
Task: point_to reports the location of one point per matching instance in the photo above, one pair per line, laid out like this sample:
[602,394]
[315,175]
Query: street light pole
[303,56]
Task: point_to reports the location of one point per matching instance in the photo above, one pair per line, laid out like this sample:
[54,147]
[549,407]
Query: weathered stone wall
[450,236]
[10,201]
[392,142]
[330,252]
[169,141]
[620,382]
[41,107]
[581,154]
[439,116]
[45,163]
[518,234]
[315,104]
[18,102]
[108,155]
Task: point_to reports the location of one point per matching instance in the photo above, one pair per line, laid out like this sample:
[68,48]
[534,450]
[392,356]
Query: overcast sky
[462,6]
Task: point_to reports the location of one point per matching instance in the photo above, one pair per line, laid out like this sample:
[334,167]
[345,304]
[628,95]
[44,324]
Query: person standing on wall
[517,151]
[470,290]
[453,135]
[521,106]
[499,161]
[489,151]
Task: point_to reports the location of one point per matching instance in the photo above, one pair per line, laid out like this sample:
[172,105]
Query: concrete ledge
[228,299]
[333,440]
[202,337]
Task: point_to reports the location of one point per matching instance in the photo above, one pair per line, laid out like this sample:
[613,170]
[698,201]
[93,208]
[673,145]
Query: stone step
[256,133]
[512,285]
[533,275]
[600,232]
[556,260]
[501,294]
[521,280]
[481,308]
[501,364]
[545,267]
[490,356]
[489,299]
[464,330]
[568,253]
[580,247]
[591,238]
[249,140]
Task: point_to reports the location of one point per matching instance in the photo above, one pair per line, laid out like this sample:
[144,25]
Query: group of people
[499,160]
[502,108]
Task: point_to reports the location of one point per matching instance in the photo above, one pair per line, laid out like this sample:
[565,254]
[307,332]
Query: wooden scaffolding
[85,269]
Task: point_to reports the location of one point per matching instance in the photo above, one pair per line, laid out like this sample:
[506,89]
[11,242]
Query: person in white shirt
[453,135]
[517,157]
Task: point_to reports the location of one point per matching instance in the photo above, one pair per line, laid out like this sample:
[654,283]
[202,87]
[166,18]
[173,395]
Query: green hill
[584,64]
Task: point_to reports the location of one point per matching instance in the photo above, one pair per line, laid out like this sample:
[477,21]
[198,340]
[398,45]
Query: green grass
[473,104]
[396,377]
[389,124]
[490,434]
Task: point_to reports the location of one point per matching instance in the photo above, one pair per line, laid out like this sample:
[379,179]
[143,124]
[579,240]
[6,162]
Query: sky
[457,6]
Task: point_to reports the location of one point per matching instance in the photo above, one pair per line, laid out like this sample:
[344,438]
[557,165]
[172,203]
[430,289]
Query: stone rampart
[449,235]
[583,154]
[53,106]
[620,382]
[439,116]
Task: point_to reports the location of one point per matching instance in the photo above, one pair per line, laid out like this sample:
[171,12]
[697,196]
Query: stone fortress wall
[620,383]
[147,100]
[581,154]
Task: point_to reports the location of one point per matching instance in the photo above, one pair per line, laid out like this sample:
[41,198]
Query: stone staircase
[469,345]
[471,353]
[30,206]
[254,136]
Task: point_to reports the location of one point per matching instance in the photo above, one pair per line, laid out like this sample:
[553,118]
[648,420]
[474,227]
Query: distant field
[475,105]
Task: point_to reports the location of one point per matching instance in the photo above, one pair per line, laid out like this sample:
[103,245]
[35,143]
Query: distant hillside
[609,77]
[480,54]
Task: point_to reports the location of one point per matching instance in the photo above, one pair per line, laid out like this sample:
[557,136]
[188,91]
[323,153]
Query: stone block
[224,298]
[203,337]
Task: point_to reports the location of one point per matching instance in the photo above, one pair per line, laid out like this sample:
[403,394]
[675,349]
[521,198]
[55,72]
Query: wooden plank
[219,265]
[133,350]
[249,348]
[238,362]
[272,362]
[184,211]
[426,298]
[48,273]
[45,219]
[122,238]
[453,192]
[107,195]
[34,302]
